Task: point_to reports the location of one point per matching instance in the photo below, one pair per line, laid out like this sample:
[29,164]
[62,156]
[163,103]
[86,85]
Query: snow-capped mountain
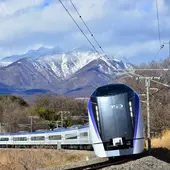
[34,54]
[65,65]
[4,63]
[61,72]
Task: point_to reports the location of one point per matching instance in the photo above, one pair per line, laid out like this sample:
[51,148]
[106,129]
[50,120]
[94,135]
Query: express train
[115,121]
[76,137]
[115,126]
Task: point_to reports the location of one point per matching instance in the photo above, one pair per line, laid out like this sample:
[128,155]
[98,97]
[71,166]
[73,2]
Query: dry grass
[163,141]
[31,159]
[161,147]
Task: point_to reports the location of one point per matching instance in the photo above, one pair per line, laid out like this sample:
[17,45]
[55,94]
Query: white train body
[68,136]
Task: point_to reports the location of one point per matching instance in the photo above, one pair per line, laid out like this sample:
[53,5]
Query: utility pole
[31,122]
[62,119]
[147,85]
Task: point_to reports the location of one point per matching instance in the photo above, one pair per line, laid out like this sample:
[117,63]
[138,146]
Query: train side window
[71,136]
[19,138]
[4,139]
[37,138]
[55,137]
[83,134]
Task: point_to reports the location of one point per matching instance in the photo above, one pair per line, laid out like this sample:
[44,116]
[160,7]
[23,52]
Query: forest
[46,112]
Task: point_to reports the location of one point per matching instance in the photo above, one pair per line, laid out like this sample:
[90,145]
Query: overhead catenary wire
[156,55]
[159,36]
[160,89]
[157,11]
[79,27]
[99,44]
[129,72]
[143,69]
[92,35]
[86,27]
[163,84]
[159,33]
[84,33]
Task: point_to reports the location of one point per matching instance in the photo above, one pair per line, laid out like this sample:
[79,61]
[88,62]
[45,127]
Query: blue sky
[124,28]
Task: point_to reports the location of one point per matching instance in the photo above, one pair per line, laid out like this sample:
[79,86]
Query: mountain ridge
[42,51]
[61,73]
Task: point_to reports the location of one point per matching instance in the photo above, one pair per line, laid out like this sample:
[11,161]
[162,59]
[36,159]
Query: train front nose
[116,110]
[115,118]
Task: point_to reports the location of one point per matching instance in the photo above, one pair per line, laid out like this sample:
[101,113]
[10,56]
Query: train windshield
[114,111]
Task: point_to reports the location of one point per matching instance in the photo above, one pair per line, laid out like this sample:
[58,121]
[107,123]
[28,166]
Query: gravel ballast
[146,163]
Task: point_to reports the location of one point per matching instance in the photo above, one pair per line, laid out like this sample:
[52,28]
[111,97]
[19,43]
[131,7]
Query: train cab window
[83,134]
[19,138]
[55,137]
[4,139]
[114,106]
[38,138]
[71,136]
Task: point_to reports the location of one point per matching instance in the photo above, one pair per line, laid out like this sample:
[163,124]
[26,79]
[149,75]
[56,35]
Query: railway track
[115,161]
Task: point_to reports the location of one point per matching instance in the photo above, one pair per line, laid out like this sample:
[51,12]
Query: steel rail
[115,161]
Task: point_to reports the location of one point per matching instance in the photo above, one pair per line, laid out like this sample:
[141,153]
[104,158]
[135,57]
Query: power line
[159,34]
[134,74]
[156,55]
[160,89]
[82,30]
[138,75]
[93,36]
[143,69]
[79,27]
[126,60]
[163,84]
[87,27]
[147,85]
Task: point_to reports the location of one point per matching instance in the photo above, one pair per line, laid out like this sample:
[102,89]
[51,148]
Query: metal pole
[168,42]
[147,83]
[62,119]
[31,123]
[169,48]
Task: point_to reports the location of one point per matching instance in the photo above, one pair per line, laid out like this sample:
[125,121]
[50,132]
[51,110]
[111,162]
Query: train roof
[111,89]
[43,132]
